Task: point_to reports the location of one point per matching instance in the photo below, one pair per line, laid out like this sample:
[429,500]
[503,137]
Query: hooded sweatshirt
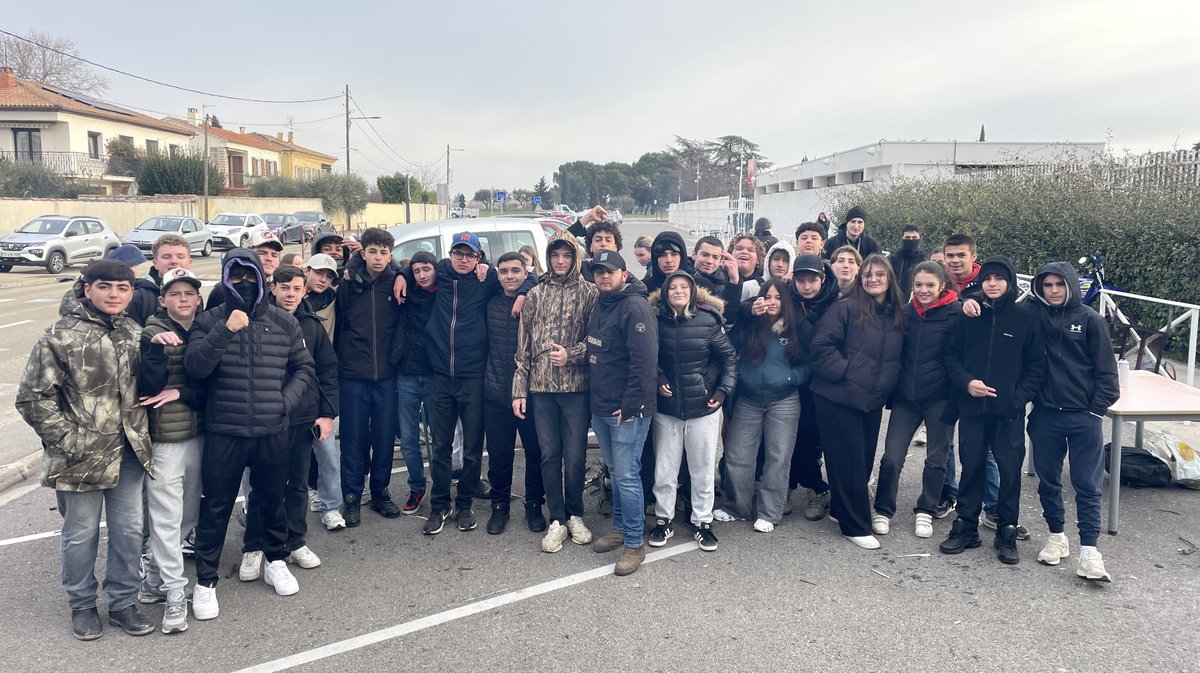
[695,357]
[255,376]
[667,240]
[903,262]
[1003,347]
[1081,371]
[556,310]
[622,352]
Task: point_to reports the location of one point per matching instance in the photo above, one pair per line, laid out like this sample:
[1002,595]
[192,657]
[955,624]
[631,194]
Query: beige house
[76,135]
[243,156]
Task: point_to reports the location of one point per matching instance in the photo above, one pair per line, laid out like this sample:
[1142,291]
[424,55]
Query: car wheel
[56,262]
[207,251]
[242,243]
[5,268]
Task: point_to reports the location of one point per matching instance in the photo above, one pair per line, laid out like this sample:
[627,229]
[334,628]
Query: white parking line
[403,629]
[41,301]
[4,300]
[14,324]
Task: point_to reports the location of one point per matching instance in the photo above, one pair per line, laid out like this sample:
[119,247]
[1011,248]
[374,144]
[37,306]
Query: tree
[483,196]
[214,122]
[542,189]
[399,187]
[50,61]
[1196,147]
[159,173]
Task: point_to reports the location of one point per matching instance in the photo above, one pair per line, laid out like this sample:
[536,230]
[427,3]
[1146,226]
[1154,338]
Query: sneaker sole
[277,591]
[384,514]
[1099,578]
[441,525]
[336,526]
[974,544]
[924,534]
[115,624]
[554,550]
[706,548]
[249,578]
[95,636]
[662,542]
[409,512]
[301,565]
[473,526]
[150,599]
[1051,561]
[174,629]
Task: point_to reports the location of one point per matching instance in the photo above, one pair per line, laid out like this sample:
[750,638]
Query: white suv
[233,230]
[56,241]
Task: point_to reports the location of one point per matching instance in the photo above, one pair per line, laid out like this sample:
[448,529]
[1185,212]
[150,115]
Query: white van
[497,235]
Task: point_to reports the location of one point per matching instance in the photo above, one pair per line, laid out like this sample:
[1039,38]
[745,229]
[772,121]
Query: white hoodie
[751,287]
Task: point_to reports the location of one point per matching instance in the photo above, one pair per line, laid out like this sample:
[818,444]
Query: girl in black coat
[920,396]
[697,371]
[856,361]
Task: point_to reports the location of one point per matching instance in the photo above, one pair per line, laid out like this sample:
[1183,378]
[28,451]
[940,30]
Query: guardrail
[71,164]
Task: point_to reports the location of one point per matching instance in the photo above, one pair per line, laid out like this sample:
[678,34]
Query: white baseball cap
[321,263]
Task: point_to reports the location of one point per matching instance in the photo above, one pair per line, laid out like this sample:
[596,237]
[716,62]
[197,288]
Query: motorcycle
[1091,279]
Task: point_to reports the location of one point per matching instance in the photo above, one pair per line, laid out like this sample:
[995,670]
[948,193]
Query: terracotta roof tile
[28,95]
[285,146]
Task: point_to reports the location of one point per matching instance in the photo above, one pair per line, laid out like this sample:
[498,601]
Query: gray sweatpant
[173,505]
[775,425]
[697,437]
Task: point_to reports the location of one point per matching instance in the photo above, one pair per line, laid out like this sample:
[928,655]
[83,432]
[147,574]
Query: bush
[345,193]
[180,174]
[1148,229]
[24,179]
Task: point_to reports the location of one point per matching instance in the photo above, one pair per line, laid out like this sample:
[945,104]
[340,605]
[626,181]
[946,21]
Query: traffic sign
[537,200]
[501,195]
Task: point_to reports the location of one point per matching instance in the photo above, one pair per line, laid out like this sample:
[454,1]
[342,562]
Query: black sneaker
[466,520]
[944,508]
[133,622]
[382,502]
[1006,544]
[498,520]
[704,535]
[661,532]
[85,624]
[350,510]
[962,537]
[413,503]
[534,517]
[1022,534]
[437,520]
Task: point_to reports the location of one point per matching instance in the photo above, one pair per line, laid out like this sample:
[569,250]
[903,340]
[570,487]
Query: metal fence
[1178,168]
[69,164]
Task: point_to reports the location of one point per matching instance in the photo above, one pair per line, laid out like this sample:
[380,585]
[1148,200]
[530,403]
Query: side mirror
[69,234]
[1083,261]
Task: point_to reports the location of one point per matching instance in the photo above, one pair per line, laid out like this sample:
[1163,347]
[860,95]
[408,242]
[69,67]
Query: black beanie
[854,212]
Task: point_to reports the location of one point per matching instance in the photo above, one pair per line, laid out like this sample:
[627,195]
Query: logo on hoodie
[1075,329]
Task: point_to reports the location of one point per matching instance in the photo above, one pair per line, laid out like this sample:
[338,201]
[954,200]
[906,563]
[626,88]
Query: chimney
[242,130]
[191,115]
[290,135]
[7,81]
[279,135]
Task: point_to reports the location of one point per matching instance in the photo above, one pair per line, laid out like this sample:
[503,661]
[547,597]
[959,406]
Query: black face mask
[912,244]
[247,290]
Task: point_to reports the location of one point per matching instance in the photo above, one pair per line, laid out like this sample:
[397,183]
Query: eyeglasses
[460,255]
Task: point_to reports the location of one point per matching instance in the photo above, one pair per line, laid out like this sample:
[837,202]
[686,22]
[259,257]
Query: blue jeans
[329,472]
[413,390]
[621,446]
[368,428]
[123,511]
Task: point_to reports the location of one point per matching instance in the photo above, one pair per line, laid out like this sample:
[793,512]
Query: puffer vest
[174,421]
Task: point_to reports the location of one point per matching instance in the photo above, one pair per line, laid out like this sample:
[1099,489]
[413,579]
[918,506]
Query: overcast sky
[525,86]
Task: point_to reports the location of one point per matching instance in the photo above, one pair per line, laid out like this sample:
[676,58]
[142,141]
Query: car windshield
[234,220]
[308,216]
[43,226]
[275,219]
[160,224]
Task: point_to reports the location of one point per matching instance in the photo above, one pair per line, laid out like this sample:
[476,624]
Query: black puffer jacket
[320,400]
[501,350]
[622,352]
[718,285]
[923,361]
[367,317]
[695,357]
[144,303]
[855,365]
[809,311]
[257,376]
[1003,347]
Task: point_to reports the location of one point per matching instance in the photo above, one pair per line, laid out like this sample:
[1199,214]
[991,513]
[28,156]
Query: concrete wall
[391,214]
[122,214]
[700,217]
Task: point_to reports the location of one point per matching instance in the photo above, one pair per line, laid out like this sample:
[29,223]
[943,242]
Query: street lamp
[449,195]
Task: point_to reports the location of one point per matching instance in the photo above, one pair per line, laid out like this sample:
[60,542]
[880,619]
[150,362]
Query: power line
[154,81]
[235,123]
[385,142]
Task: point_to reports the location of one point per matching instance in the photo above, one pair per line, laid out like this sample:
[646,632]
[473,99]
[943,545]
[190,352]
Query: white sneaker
[204,602]
[304,557]
[1057,548]
[251,568]
[724,517]
[763,526]
[555,536]
[880,524]
[864,541]
[924,525]
[1091,565]
[333,520]
[579,532]
[314,502]
[281,578]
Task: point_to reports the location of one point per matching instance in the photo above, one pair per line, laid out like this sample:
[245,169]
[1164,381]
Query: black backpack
[1139,468]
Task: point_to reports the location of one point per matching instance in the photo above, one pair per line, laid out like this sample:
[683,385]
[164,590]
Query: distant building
[789,195]
[243,156]
[297,162]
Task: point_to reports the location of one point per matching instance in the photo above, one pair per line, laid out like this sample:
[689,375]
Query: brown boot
[612,540]
[630,561]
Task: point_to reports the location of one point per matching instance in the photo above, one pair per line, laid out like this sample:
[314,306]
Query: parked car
[315,222]
[456,212]
[497,235]
[55,242]
[286,226]
[198,236]
[233,230]
[614,215]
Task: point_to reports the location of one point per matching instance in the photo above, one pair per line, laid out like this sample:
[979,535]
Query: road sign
[537,200]
[501,196]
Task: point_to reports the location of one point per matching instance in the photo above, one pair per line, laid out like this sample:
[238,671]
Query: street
[800,598]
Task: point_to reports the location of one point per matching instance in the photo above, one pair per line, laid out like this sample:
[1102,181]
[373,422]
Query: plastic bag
[1185,464]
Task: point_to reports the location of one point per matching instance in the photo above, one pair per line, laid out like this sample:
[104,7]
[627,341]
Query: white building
[796,193]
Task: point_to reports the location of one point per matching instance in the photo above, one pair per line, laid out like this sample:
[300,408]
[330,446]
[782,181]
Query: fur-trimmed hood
[701,299]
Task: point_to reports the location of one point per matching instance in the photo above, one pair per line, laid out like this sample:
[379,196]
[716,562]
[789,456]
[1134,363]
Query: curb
[44,280]
[29,467]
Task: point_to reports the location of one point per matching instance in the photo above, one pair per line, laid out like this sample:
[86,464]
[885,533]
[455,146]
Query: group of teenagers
[717,384]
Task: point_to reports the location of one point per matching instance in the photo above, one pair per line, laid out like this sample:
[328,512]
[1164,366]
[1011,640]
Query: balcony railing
[75,164]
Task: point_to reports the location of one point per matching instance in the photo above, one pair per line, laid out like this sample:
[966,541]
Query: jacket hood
[244,258]
[564,238]
[1003,266]
[700,299]
[321,238]
[779,245]
[633,288]
[1068,273]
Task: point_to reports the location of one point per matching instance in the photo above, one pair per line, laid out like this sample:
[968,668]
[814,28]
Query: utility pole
[448,196]
[697,179]
[204,109]
[347,139]
[408,199]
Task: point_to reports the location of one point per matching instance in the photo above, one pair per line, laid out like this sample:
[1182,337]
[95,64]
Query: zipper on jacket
[453,320]
[991,346]
[374,336]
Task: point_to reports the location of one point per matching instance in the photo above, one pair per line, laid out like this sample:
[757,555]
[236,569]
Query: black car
[286,226]
[314,222]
